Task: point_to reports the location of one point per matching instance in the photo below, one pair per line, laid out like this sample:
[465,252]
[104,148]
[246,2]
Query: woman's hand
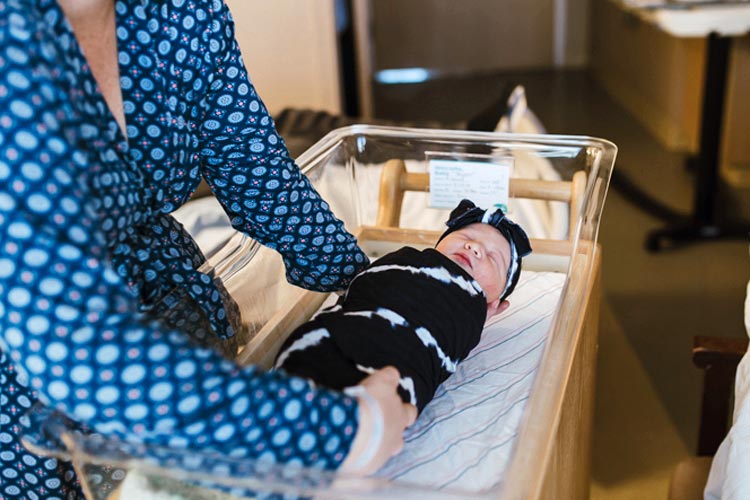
[383,416]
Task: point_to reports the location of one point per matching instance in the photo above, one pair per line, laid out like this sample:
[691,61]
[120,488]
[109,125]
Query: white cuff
[378,425]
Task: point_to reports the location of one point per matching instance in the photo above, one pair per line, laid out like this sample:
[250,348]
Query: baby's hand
[383,416]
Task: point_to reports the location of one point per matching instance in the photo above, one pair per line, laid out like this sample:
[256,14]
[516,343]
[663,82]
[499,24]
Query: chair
[718,357]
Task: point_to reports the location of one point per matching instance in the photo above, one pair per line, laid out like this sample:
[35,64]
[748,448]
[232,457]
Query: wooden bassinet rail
[395,181]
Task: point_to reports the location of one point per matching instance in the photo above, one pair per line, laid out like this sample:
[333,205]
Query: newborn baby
[420,311]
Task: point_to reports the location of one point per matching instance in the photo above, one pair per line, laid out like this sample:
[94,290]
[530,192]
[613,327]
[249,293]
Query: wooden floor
[647,391]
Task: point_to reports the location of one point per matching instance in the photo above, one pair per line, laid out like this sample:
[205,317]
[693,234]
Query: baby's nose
[475,248]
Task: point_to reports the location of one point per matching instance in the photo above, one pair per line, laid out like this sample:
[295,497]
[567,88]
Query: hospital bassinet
[377,180]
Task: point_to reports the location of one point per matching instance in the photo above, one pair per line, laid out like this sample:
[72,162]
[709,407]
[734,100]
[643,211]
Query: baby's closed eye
[497,259]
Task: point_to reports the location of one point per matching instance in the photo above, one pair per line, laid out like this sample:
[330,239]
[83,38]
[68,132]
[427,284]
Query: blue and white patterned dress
[88,244]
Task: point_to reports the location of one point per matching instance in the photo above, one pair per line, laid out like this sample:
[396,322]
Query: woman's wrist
[370,432]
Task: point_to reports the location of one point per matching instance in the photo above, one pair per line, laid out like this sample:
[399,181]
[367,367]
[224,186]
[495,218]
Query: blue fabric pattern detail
[88,245]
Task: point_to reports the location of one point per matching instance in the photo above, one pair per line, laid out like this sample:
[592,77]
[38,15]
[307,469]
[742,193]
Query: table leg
[702,223]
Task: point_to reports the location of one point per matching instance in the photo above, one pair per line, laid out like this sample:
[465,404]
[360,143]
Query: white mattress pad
[466,435]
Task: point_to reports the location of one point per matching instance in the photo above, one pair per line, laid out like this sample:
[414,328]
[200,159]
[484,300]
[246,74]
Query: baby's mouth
[463,260]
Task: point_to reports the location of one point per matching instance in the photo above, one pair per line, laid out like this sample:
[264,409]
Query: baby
[420,311]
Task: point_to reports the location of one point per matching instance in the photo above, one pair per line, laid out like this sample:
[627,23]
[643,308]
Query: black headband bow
[467,213]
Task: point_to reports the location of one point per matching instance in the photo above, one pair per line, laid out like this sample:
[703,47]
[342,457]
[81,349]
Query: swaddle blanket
[415,310]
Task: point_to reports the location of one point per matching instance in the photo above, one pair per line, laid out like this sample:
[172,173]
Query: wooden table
[719,22]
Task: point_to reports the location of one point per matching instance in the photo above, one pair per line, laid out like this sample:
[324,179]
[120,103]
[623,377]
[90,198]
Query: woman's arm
[249,169]
[67,321]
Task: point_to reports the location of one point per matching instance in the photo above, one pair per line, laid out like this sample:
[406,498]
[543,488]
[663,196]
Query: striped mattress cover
[466,435]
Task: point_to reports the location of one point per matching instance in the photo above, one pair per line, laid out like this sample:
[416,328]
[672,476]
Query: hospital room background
[589,67]
[625,123]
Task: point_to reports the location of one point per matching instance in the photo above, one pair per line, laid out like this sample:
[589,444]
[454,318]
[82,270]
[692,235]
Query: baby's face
[481,251]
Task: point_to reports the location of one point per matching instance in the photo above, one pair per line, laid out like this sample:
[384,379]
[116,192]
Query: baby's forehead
[488,233]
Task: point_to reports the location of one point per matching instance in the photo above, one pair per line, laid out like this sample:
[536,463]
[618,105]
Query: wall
[572,39]
[290,49]
[658,78]
[462,36]
[736,146]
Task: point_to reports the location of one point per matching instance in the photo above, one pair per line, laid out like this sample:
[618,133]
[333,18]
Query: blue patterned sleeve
[247,165]
[71,329]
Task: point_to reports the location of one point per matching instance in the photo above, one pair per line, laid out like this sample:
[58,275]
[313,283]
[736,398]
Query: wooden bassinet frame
[553,455]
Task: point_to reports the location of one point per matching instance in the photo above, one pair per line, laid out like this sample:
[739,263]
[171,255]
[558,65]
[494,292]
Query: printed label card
[486,183]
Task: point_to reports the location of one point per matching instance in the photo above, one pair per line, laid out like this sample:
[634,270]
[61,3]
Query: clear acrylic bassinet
[375,180]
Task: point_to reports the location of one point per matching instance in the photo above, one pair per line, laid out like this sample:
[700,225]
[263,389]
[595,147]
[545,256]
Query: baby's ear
[496,307]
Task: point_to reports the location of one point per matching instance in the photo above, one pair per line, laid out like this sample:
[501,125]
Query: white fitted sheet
[467,433]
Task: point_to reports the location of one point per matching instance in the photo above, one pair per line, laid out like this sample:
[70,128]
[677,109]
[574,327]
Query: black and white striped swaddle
[415,310]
